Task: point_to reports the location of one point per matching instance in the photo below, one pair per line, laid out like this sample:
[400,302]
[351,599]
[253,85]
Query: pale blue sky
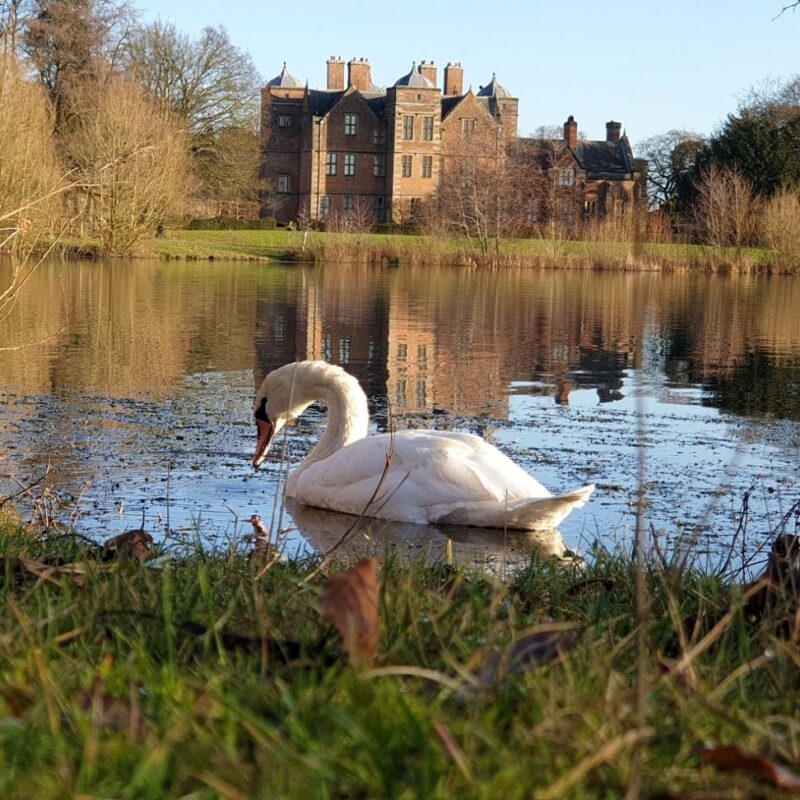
[651,65]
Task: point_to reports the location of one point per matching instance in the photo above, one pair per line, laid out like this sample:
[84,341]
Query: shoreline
[291,246]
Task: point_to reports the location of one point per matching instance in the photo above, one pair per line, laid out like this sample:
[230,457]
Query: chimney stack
[571,132]
[454,79]
[358,74]
[335,74]
[613,131]
[428,70]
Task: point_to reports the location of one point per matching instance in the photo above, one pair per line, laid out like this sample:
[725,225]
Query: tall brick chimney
[454,78]
[428,70]
[571,132]
[358,74]
[613,131]
[335,74]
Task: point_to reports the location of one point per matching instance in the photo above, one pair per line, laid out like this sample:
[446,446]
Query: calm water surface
[134,382]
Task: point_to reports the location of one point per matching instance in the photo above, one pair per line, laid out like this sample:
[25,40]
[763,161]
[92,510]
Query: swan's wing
[427,470]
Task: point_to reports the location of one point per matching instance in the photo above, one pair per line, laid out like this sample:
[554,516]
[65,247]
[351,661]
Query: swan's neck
[348,416]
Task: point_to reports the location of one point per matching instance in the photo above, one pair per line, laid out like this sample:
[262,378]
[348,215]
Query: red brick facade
[355,149]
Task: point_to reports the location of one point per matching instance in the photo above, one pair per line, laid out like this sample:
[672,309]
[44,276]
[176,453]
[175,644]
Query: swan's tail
[541,513]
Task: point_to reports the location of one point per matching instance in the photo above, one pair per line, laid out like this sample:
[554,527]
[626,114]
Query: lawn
[211,675]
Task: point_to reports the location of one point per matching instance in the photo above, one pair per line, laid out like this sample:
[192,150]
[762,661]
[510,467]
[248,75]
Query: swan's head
[284,394]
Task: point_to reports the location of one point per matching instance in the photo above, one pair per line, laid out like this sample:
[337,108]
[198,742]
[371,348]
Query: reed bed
[609,246]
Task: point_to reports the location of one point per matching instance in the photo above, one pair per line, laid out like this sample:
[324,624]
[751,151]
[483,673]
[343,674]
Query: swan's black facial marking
[265,432]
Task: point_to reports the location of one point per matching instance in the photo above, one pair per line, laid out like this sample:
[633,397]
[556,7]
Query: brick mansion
[382,153]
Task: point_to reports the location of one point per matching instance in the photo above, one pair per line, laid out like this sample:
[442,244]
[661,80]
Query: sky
[651,65]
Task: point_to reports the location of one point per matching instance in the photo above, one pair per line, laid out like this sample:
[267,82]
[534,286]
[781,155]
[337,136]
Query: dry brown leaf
[17,567]
[131,544]
[535,649]
[112,712]
[350,602]
[732,758]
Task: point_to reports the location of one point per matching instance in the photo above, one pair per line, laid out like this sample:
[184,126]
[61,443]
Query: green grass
[282,244]
[103,693]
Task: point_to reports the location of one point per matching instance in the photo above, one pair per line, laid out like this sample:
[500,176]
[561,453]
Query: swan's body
[410,476]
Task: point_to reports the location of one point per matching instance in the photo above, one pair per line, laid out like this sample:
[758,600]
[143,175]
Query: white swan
[431,477]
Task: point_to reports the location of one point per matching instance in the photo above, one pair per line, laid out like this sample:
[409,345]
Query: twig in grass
[25,489]
[608,751]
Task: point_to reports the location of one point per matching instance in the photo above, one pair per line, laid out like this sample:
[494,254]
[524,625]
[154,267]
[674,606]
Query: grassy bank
[288,245]
[215,677]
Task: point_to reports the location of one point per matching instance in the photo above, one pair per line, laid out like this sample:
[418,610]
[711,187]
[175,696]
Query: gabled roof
[493,89]
[284,80]
[322,101]
[601,159]
[451,102]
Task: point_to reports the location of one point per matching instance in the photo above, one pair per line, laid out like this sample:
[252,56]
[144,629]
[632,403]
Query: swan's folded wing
[426,471]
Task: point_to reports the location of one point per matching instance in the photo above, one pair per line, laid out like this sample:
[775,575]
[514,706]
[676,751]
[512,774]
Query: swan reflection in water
[496,551]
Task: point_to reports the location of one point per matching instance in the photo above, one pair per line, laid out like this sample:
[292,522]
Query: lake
[130,384]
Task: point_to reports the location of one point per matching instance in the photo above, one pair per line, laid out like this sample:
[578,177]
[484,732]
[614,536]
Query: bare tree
[671,160]
[29,170]
[214,87]
[725,208]
[12,15]
[135,161]
[207,81]
[781,224]
[71,41]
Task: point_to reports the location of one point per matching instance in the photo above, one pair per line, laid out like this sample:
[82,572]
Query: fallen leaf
[131,544]
[16,567]
[535,649]
[350,602]
[731,758]
[111,712]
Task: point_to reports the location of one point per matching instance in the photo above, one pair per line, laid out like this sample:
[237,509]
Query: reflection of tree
[757,387]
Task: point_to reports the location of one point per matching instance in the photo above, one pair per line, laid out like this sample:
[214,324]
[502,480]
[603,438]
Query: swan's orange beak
[266,430]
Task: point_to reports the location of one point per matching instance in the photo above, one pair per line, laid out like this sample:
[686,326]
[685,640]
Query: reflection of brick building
[377,154]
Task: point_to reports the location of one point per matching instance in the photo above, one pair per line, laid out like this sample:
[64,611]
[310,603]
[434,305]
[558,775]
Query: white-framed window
[405,166]
[284,121]
[345,346]
[468,126]
[427,166]
[330,164]
[408,126]
[379,165]
[348,202]
[324,206]
[427,129]
[566,177]
[350,164]
[350,124]
[379,135]
[378,208]
[284,183]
